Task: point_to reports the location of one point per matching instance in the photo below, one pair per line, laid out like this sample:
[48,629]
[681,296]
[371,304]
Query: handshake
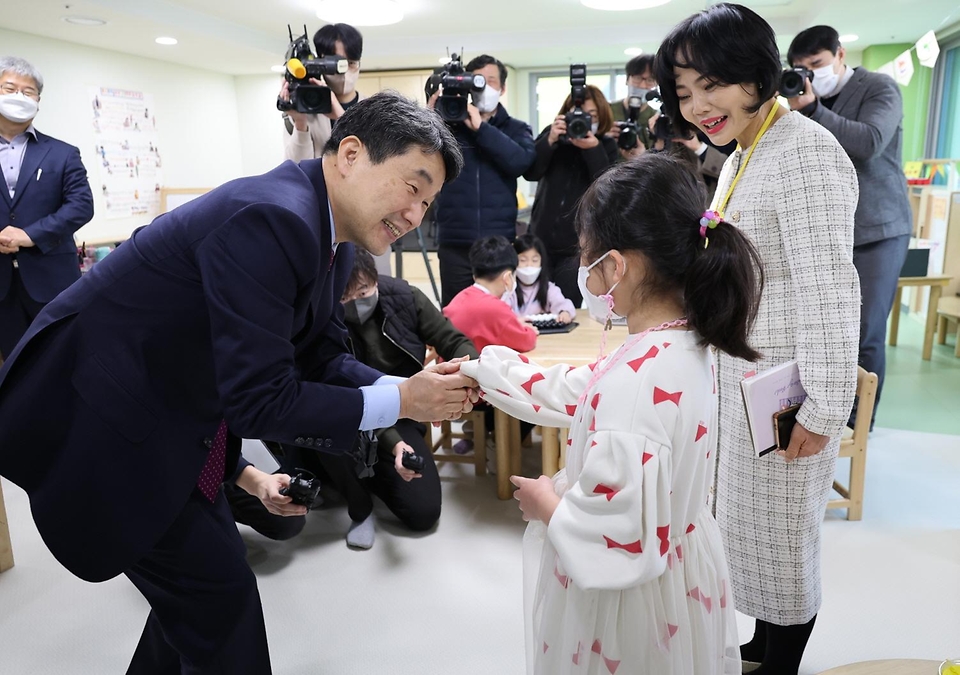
[437,393]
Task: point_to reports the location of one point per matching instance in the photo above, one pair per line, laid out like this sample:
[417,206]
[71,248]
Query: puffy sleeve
[607,529]
[525,390]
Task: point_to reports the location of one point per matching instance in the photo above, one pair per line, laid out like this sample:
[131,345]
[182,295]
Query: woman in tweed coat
[793,191]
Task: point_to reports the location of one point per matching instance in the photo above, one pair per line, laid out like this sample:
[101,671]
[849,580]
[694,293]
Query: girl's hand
[538,500]
[564,317]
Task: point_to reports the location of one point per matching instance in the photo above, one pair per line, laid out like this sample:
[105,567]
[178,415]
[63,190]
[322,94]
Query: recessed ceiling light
[360,12]
[633,51]
[622,5]
[84,20]
[278,69]
[166,41]
[850,37]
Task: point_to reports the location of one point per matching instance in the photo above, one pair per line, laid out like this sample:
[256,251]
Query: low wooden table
[893,667]
[936,284]
[6,549]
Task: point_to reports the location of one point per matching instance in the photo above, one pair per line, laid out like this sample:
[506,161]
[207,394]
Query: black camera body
[663,128]
[301,66]
[455,85]
[629,132]
[304,489]
[793,81]
[578,121]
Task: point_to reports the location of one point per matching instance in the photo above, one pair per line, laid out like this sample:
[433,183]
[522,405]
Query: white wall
[260,127]
[196,111]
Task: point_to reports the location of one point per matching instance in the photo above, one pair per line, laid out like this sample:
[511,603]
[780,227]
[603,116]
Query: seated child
[481,312]
[536,294]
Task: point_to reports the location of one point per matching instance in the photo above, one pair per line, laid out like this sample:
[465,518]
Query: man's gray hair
[22,67]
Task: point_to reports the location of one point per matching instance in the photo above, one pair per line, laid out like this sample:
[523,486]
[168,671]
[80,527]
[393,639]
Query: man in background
[640,82]
[46,198]
[482,201]
[864,111]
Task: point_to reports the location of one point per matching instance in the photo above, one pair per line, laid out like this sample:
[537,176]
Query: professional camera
[629,133]
[578,122]
[455,84]
[304,489]
[793,81]
[302,65]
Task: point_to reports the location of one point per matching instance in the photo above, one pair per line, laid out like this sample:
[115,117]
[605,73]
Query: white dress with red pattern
[630,575]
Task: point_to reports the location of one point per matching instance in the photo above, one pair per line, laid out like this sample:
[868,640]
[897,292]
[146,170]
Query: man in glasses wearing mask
[640,82]
[45,199]
[864,111]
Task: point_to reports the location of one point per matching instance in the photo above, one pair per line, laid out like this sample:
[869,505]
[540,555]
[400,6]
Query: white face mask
[508,294]
[528,275]
[594,127]
[486,100]
[824,81]
[600,307]
[18,108]
[638,91]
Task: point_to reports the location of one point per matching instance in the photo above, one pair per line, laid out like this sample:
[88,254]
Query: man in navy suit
[122,408]
[45,199]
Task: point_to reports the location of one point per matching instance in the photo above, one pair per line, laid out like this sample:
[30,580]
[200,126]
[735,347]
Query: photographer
[482,201]
[640,81]
[564,169]
[705,158]
[864,111]
[307,134]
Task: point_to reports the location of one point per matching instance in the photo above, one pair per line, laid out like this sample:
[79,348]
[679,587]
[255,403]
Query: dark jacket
[482,201]
[51,202]
[227,308]
[563,173]
[394,339]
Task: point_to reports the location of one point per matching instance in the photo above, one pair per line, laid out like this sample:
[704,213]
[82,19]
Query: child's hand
[564,317]
[538,500]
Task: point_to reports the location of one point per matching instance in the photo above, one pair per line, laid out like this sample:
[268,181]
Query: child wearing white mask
[536,294]
[624,569]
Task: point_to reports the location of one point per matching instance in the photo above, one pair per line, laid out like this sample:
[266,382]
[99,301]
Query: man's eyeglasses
[10,88]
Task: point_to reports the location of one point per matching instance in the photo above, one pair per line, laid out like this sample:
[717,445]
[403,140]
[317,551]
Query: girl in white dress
[623,561]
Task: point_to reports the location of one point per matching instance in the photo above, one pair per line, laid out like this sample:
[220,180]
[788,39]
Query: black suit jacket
[49,209]
[226,308]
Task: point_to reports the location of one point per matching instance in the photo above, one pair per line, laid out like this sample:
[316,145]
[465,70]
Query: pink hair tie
[709,220]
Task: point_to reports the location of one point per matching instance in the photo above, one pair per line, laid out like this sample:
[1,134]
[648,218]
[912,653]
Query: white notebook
[764,394]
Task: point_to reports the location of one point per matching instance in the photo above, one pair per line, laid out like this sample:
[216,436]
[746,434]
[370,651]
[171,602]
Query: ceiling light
[278,69]
[360,12]
[84,20]
[850,37]
[633,51]
[622,5]
[166,41]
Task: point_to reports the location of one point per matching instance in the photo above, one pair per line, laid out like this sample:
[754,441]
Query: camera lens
[791,84]
[452,108]
[577,128]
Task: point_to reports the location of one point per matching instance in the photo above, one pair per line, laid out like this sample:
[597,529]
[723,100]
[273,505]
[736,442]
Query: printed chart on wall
[128,151]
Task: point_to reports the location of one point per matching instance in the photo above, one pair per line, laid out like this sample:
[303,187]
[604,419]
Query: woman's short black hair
[726,43]
[491,256]
[325,40]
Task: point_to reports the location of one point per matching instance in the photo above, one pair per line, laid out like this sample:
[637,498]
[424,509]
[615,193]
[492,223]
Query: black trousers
[17,312]
[455,271]
[563,272]
[205,615]
[416,504]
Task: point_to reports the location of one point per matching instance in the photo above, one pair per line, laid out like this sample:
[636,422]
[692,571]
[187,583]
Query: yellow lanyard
[766,125]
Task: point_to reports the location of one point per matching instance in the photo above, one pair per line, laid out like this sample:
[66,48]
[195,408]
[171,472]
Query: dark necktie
[212,473]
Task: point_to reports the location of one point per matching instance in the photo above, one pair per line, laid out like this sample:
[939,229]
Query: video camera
[793,81]
[455,84]
[301,66]
[578,122]
[629,132]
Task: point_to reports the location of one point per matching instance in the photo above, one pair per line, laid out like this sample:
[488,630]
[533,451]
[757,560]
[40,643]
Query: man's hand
[266,488]
[473,120]
[614,132]
[589,141]
[336,108]
[432,101]
[437,393]
[804,99]
[557,129]
[803,443]
[405,473]
[635,151]
[299,119]
[692,143]
[12,239]
[538,500]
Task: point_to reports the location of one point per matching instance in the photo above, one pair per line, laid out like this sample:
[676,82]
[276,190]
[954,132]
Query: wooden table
[893,667]
[936,284]
[576,348]
[6,549]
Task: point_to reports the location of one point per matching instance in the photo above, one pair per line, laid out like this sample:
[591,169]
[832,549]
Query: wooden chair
[948,312]
[445,441]
[853,444]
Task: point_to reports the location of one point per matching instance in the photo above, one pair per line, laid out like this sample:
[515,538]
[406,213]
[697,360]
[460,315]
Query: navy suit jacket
[226,308]
[49,209]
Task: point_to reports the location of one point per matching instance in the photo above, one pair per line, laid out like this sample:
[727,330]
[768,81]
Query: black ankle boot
[785,645]
[755,650]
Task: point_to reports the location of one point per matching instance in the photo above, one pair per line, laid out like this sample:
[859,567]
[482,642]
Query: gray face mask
[365,306]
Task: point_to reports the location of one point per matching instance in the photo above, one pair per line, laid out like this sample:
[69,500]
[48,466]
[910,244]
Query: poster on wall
[128,151]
